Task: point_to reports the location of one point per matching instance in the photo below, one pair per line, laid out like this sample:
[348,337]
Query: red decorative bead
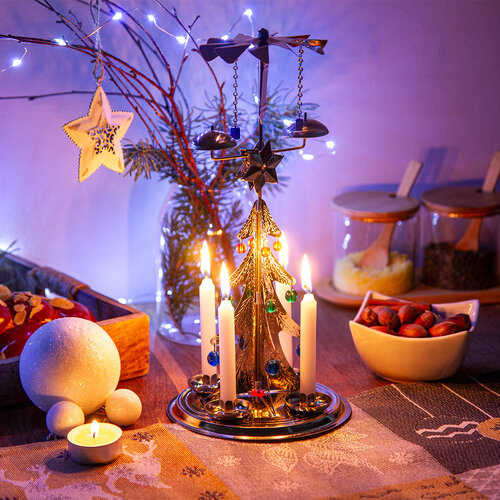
[257,393]
[250,242]
[265,251]
[277,245]
[241,248]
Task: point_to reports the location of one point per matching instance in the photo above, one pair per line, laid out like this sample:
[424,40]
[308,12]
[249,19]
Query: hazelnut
[407,314]
[462,321]
[426,319]
[443,328]
[379,328]
[412,330]
[387,317]
[368,317]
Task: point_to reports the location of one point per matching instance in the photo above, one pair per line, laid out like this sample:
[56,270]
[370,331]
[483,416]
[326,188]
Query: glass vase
[183,226]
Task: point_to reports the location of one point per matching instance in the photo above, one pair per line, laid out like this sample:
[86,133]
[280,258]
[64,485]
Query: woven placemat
[154,464]
[457,422]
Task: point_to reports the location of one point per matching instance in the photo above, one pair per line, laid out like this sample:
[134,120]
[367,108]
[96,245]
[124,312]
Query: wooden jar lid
[461,201]
[375,206]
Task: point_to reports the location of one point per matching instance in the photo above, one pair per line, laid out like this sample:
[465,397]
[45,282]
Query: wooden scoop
[377,254]
[470,240]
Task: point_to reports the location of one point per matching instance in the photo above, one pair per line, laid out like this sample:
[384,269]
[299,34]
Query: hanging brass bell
[211,140]
[306,129]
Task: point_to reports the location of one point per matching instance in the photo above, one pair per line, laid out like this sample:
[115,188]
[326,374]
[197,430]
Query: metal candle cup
[91,447]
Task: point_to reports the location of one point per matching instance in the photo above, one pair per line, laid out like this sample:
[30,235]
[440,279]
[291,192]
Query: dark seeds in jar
[445,267]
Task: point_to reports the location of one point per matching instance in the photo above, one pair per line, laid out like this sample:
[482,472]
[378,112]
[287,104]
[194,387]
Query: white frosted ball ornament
[64,416]
[70,359]
[123,407]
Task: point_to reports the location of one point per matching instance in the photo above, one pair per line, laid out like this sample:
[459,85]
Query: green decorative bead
[271,306]
[290,295]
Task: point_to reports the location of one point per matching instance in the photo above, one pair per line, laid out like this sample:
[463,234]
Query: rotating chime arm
[293,148]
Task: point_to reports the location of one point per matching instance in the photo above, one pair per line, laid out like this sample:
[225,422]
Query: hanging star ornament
[260,167]
[98,135]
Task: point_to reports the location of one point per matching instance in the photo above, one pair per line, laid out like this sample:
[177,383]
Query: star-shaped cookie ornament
[98,135]
[262,167]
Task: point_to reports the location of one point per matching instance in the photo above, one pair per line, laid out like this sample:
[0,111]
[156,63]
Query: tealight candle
[207,312]
[281,289]
[95,443]
[308,308]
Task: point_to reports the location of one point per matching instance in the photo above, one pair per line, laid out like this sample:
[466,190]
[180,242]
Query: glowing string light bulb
[151,18]
[60,41]
[248,13]
[16,62]
[181,39]
[117,16]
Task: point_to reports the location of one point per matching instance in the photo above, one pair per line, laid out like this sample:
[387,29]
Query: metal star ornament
[98,135]
[261,167]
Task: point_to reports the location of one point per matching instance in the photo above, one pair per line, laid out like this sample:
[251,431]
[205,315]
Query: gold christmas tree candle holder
[269,405]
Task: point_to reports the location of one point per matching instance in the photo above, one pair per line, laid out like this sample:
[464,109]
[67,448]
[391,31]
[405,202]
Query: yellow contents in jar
[394,279]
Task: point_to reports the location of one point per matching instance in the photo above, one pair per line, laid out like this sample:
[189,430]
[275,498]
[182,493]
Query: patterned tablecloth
[404,441]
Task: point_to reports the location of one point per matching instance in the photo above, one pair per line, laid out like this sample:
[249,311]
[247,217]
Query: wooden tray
[421,293]
[128,327]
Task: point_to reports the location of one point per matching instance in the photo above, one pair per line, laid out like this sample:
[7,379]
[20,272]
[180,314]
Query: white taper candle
[308,308]
[286,339]
[207,312]
[226,342]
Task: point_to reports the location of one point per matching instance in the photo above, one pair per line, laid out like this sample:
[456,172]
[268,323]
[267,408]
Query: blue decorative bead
[213,358]
[235,133]
[297,350]
[273,367]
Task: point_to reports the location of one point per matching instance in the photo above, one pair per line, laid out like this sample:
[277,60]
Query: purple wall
[400,80]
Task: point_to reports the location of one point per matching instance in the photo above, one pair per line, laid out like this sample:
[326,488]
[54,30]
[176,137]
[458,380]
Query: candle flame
[306,275]
[283,254]
[205,260]
[94,428]
[224,281]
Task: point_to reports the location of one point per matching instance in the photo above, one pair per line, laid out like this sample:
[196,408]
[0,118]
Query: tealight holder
[304,405]
[228,411]
[204,385]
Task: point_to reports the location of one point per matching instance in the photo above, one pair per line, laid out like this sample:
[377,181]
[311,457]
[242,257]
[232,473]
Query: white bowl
[403,359]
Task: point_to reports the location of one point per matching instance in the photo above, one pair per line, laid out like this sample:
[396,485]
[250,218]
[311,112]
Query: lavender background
[400,80]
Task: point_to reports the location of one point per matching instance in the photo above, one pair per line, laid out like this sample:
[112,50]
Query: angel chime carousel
[258,395]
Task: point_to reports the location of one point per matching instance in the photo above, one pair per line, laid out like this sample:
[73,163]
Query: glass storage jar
[360,220]
[460,238]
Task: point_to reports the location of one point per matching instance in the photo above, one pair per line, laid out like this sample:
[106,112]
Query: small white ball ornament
[123,407]
[64,416]
[70,359]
